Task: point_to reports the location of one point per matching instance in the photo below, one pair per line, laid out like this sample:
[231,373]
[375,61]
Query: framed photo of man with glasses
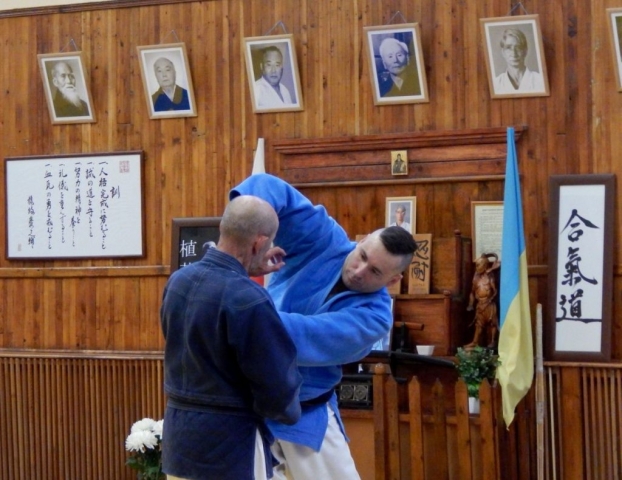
[515,57]
[65,83]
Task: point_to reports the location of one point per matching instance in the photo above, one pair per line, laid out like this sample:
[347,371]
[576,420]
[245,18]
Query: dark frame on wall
[190,238]
[580,288]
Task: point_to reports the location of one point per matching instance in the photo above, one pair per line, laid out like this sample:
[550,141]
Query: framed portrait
[74,206]
[273,76]
[401,212]
[167,81]
[514,57]
[486,228]
[399,162]
[396,64]
[615,31]
[66,86]
[190,239]
[580,286]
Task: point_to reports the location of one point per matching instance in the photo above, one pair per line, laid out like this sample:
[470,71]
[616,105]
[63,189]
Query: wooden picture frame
[190,238]
[74,206]
[581,222]
[408,220]
[515,42]
[420,269]
[486,227]
[271,60]
[167,81]
[66,85]
[615,35]
[395,57]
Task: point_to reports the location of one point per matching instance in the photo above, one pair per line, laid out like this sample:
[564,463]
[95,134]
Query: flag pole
[539,393]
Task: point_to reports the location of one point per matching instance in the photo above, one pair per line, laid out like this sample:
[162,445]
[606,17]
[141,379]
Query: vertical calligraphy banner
[581,272]
[75,206]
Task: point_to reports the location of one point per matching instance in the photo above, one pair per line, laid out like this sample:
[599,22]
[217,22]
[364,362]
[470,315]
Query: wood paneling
[192,162]
[66,415]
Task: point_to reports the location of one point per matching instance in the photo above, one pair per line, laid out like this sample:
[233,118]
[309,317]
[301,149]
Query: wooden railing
[428,441]
[65,415]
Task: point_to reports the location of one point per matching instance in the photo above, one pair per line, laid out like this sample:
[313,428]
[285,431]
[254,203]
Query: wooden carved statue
[483,299]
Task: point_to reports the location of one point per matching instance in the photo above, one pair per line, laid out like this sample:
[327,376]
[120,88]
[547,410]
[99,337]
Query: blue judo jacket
[327,334]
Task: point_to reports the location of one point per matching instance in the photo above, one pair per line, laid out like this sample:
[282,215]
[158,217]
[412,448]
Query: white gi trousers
[332,462]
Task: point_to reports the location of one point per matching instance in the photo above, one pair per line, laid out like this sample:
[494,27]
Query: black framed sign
[581,277]
[191,237]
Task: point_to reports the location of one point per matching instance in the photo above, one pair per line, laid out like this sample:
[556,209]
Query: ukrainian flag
[515,374]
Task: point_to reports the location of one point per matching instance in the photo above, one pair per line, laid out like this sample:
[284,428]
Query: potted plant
[145,444]
[474,365]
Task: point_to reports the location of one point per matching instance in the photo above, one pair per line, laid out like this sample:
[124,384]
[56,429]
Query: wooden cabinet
[440,318]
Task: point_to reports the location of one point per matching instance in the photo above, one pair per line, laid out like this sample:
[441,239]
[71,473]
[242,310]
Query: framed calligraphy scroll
[74,206]
[581,270]
[191,237]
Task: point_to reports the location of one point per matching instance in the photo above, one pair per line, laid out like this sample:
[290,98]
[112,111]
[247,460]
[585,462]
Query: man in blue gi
[332,299]
[228,360]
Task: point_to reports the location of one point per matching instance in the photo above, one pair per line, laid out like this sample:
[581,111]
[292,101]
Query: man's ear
[259,243]
[394,280]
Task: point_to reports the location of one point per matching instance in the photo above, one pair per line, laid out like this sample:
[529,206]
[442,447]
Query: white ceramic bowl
[425,349]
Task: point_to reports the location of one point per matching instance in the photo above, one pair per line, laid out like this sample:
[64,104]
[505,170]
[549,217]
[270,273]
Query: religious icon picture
[399,162]
[167,81]
[515,57]
[396,64]
[273,76]
[66,83]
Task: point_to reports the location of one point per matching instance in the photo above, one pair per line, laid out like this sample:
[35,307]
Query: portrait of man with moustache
[67,101]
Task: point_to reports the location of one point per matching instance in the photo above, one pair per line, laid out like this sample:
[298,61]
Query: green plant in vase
[474,365]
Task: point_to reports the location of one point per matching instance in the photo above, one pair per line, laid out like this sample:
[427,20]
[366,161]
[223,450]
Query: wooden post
[539,394]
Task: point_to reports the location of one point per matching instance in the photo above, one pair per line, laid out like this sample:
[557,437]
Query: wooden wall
[191,163]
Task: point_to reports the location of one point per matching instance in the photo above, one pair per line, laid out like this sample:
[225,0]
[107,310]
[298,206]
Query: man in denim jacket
[228,360]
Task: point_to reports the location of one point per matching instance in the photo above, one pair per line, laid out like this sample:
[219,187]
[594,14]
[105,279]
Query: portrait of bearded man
[67,100]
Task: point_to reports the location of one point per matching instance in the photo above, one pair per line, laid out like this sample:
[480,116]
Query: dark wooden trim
[466,155]
[86,7]
[409,181]
[396,141]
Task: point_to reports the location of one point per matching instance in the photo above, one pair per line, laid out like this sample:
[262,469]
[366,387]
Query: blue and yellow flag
[515,374]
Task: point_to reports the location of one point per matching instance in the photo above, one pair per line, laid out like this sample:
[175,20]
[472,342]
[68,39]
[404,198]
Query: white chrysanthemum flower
[158,427]
[144,424]
[139,440]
